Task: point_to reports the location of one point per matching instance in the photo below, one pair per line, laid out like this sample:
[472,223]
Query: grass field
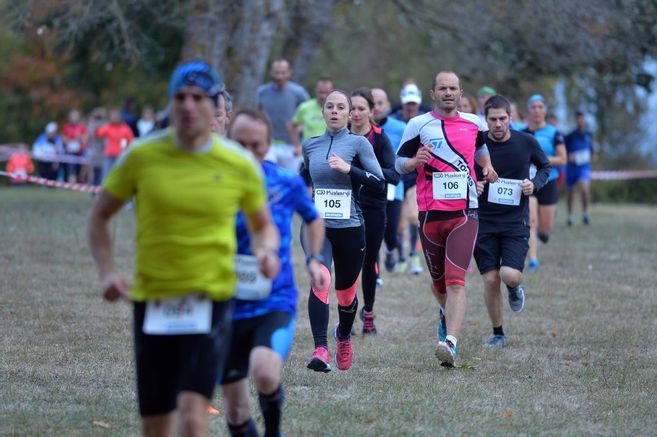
[582,357]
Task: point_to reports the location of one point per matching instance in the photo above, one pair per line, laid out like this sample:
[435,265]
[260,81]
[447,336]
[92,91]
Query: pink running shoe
[343,352]
[319,361]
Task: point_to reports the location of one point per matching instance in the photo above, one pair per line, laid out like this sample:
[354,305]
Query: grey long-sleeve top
[356,151]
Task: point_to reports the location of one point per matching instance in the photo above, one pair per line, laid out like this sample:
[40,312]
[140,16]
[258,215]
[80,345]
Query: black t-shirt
[386,156]
[511,160]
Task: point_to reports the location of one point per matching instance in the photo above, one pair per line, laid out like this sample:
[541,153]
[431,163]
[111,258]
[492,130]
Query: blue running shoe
[532,265]
[442,326]
[496,341]
[446,353]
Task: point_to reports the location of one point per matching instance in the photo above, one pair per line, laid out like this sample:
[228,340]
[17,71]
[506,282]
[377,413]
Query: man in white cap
[410,98]
[46,146]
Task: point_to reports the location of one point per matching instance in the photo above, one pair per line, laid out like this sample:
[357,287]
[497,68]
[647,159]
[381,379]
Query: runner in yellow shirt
[188,185]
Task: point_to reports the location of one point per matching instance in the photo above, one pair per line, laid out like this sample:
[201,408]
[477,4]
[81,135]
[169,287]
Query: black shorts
[169,364]
[549,194]
[502,248]
[274,330]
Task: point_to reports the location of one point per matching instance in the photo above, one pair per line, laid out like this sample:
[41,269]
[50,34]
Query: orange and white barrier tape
[56,157]
[52,183]
[623,175]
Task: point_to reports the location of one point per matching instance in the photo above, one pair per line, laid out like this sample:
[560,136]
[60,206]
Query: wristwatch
[314,256]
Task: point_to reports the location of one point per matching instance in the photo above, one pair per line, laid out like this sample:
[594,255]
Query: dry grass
[581,358]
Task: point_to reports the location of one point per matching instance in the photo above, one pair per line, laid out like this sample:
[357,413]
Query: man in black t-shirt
[502,241]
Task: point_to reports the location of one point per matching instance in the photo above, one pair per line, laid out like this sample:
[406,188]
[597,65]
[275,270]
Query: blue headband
[199,74]
[536,98]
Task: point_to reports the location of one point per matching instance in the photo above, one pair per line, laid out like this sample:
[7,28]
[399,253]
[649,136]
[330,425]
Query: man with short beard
[502,241]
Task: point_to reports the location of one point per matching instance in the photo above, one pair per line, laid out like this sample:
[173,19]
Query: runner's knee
[346,297]
[323,294]
[438,287]
[511,277]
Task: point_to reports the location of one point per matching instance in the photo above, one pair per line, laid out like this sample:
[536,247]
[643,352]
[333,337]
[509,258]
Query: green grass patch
[580,360]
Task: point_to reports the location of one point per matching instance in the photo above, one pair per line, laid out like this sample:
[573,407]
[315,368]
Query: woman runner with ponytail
[336,165]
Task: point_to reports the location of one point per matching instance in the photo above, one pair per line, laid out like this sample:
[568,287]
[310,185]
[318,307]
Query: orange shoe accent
[213,411]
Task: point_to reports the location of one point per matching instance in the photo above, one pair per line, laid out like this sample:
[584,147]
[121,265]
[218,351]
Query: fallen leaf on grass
[553,334]
[100,424]
[508,413]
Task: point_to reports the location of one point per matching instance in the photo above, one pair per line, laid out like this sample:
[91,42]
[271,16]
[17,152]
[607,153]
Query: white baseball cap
[51,127]
[410,94]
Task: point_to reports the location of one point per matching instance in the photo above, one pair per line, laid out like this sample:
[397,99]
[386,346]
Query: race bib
[450,186]
[178,316]
[333,203]
[251,284]
[392,189]
[505,191]
[582,157]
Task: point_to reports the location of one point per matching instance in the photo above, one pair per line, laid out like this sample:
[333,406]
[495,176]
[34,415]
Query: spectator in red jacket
[20,166]
[118,136]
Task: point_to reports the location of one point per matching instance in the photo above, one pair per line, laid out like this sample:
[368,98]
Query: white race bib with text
[450,186]
[251,284]
[505,191]
[582,157]
[333,203]
[178,316]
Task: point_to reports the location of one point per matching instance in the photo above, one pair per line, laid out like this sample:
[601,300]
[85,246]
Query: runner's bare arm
[314,238]
[113,285]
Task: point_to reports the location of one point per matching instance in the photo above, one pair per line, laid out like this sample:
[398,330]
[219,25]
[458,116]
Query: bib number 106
[451,185]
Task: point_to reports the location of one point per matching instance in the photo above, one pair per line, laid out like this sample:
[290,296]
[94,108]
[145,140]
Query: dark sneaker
[585,219]
[390,261]
[516,298]
[368,322]
[496,341]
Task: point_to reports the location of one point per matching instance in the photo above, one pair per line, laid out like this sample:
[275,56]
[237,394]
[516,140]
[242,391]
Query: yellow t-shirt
[185,205]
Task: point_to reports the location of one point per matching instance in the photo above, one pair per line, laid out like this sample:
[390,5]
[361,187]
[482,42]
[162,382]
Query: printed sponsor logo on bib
[251,284]
[450,186]
[178,316]
[582,157]
[505,191]
[392,189]
[333,203]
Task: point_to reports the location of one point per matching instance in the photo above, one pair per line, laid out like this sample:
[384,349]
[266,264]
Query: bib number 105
[332,203]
